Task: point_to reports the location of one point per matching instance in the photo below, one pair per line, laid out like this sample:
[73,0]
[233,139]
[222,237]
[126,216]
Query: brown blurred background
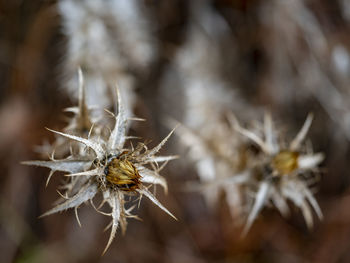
[289,57]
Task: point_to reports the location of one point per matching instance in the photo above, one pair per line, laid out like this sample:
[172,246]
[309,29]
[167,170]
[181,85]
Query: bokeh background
[183,59]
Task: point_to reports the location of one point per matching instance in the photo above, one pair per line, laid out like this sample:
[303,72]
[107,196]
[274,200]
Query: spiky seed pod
[111,169]
[122,173]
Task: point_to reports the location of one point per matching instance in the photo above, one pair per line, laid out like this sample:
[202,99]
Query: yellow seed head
[123,174]
[285,162]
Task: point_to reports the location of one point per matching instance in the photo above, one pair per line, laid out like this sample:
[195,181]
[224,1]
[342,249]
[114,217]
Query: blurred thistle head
[103,164]
[252,177]
[283,171]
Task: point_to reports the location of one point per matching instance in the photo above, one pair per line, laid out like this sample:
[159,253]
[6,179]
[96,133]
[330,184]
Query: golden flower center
[285,162]
[123,174]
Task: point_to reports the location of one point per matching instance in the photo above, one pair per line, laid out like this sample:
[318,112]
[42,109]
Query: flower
[105,165]
[251,177]
[281,173]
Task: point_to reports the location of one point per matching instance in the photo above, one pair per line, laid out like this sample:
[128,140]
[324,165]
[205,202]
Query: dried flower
[252,179]
[281,173]
[106,166]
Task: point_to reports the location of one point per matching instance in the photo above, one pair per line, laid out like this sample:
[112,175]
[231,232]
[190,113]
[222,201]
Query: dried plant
[251,179]
[282,172]
[103,164]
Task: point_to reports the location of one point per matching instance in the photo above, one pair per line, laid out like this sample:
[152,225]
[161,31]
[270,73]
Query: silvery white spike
[69,166]
[259,202]
[270,135]
[160,159]
[151,177]
[309,161]
[117,138]
[295,144]
[116,212]
[150,196]
[160,145]
[249,134]
[85,194]
[96,147]
[96,171]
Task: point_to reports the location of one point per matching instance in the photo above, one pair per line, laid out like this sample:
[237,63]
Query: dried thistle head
[283,171]
[252,179]
[108,167]
[122,173]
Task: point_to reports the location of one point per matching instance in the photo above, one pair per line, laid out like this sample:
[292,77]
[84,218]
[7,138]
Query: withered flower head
[254,177]
[283,172]
[104,165]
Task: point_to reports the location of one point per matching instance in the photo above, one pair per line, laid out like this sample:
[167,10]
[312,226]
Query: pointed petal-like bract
[270,135]
[309,196]
[93,145]
[76,183]
[150,196]
[156,149]
[69,166]
[96,171]
[306,211]
[295,191]
[160,159]
[309,161]
[117,138]
[116,212]
[295,144]
[151,177]
[85,194]
[247,133]
[279,201]
[259,202]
